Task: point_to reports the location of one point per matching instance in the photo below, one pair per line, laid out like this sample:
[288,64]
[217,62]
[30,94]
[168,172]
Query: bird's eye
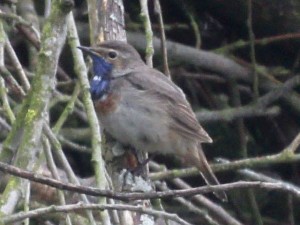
[112,55]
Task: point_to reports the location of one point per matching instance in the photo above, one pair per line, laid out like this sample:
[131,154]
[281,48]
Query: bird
[141,107]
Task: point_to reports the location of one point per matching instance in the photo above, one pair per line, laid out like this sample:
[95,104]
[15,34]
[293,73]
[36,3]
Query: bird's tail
[201,163]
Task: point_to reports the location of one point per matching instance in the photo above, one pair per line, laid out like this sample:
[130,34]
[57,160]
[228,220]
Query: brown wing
[182,116]
[185,122]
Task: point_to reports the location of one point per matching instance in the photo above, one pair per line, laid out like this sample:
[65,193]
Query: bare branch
[133,196]
[80,206]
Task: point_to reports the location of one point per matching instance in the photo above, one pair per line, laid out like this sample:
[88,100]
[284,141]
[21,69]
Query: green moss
[12,186]
[30,115]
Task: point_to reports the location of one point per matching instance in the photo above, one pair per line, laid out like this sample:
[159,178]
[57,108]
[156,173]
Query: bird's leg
[139,169]
[135,165]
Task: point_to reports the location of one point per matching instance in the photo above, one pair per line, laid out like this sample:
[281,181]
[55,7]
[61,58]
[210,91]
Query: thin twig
[11,81]
[215,209]
[292,148]
[3,91]
[68,110]
[262,41]
[4,72]
[243,150]
[150,195]
[70,208]
[148,30]
[158,11]
[252,51]
[291,210]
[4,124]
[63,160]
[214,63]
[19,20]
[6,105]
[149,55]
[229,114]
[27,201]
[54,172]
[287,155]
[191,15]
[212,208]
[15,61]
[74,146]
[259,108]
[47,9]
[81,72]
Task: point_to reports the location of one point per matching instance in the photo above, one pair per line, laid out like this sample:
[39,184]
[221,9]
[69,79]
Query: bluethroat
[140,107]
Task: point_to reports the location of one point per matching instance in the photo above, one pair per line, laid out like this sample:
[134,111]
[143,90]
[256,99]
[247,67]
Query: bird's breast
[107,104]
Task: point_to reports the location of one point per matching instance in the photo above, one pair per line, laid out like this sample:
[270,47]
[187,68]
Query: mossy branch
[28,126]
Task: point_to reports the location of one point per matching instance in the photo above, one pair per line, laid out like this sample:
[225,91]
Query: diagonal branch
[70,208]
[150,195]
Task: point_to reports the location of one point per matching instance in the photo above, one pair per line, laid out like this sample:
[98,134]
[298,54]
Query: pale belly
[142,127]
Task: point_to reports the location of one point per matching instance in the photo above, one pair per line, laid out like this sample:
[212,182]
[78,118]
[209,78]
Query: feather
[101,80]
[182,116]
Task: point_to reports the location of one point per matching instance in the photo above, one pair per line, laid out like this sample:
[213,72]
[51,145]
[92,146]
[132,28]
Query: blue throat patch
[101,81]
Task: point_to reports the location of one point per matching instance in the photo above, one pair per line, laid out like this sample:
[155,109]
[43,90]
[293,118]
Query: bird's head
[111,59]
[116,57]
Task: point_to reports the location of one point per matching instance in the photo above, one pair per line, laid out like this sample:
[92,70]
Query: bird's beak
[87,50]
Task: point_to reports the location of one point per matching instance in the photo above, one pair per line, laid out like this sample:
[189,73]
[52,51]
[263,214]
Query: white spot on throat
[103,98]
[97,78]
